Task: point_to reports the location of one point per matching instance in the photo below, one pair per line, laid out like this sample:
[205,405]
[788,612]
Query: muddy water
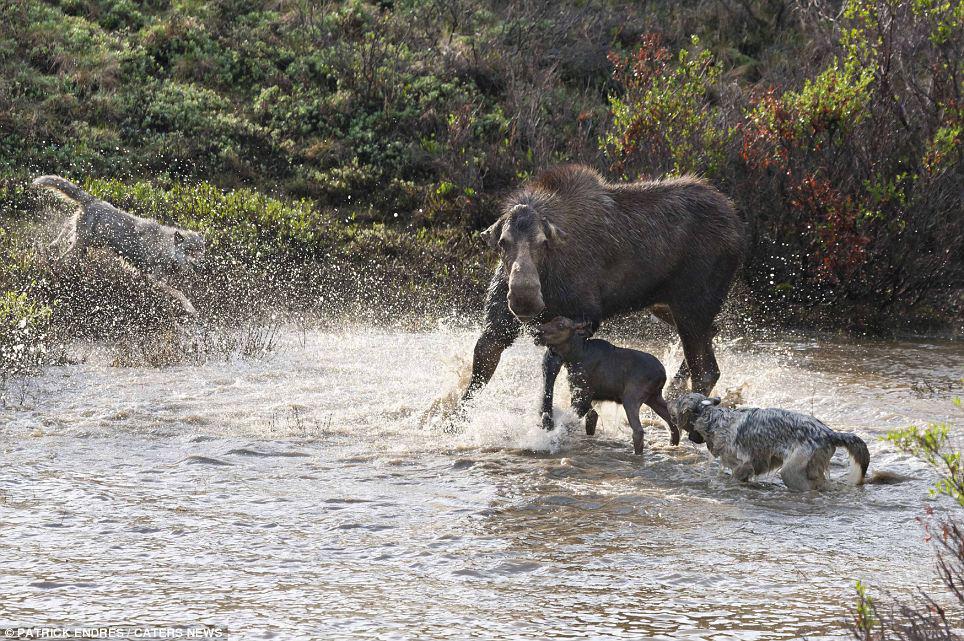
[306,495]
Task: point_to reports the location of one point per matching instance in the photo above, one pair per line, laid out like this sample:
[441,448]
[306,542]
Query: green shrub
[925,618]
[664,119]
[24,337]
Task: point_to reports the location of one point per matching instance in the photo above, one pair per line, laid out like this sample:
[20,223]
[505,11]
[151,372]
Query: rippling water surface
[310,494]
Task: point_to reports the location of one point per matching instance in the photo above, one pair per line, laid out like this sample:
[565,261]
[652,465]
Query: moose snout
[527,304]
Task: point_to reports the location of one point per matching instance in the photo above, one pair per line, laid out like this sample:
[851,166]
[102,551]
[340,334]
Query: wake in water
[392,390]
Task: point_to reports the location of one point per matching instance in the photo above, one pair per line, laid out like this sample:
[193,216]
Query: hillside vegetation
[314,140]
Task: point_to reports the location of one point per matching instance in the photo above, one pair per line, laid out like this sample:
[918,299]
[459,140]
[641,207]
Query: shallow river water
[307,495]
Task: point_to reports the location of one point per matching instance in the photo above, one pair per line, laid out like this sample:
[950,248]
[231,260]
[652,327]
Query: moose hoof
[547,423]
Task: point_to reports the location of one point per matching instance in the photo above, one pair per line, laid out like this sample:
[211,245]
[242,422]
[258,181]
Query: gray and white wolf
[756,441]
[158,252]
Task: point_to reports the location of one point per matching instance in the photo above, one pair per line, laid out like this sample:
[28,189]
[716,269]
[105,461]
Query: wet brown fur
[677,225]
[673,245]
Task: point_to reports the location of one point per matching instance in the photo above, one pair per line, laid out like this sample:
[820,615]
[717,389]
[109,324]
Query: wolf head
[187,250]
[686,409]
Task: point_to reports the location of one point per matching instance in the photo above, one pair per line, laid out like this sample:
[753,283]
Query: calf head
[524,238]
[559,331]
[686,409]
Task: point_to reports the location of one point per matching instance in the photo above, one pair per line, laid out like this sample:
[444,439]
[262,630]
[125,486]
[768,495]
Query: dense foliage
[389,130]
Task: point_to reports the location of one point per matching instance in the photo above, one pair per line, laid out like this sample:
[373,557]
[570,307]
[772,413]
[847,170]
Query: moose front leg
[551,364]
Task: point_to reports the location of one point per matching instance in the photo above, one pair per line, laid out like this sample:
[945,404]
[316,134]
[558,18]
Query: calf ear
[491,235]
[553,233]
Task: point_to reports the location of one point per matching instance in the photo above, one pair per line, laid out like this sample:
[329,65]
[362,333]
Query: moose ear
[553,233]
[491,235]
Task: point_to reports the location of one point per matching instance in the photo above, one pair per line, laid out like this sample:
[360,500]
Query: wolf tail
[857,449]
[65,187]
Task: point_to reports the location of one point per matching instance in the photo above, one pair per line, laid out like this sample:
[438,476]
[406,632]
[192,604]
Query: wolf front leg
[174,293]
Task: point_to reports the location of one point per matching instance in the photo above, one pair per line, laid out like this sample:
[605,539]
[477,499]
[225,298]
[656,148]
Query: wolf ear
[553,233]
[711,401]
[491,235]
[178,238]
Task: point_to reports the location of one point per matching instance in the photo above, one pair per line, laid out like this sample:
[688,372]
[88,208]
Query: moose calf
[600,371]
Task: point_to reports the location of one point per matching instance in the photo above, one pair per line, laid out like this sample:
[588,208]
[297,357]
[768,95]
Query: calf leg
[658,405]
[583,407]
[632,405]
[592,417]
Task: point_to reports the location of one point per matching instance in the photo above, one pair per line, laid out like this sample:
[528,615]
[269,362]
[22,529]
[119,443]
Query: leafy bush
[925,618]
[838,137]
[665,120]
[850,166]
[24,338]
[850,183]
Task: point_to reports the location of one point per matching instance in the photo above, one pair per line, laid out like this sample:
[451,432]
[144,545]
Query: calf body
[600,371]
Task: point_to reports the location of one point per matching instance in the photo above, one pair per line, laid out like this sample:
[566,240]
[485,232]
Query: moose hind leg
[678,385]
[696,335]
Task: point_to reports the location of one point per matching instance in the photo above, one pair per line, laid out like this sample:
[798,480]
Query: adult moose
[573,244]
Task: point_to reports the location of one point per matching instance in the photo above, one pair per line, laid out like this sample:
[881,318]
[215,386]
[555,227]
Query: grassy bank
[343,155]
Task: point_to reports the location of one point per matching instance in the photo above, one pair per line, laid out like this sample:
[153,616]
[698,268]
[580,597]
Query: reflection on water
[304,495]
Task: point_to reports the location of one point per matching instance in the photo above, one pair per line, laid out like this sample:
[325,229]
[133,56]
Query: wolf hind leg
[794,470]
[744,472]
[817,466]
